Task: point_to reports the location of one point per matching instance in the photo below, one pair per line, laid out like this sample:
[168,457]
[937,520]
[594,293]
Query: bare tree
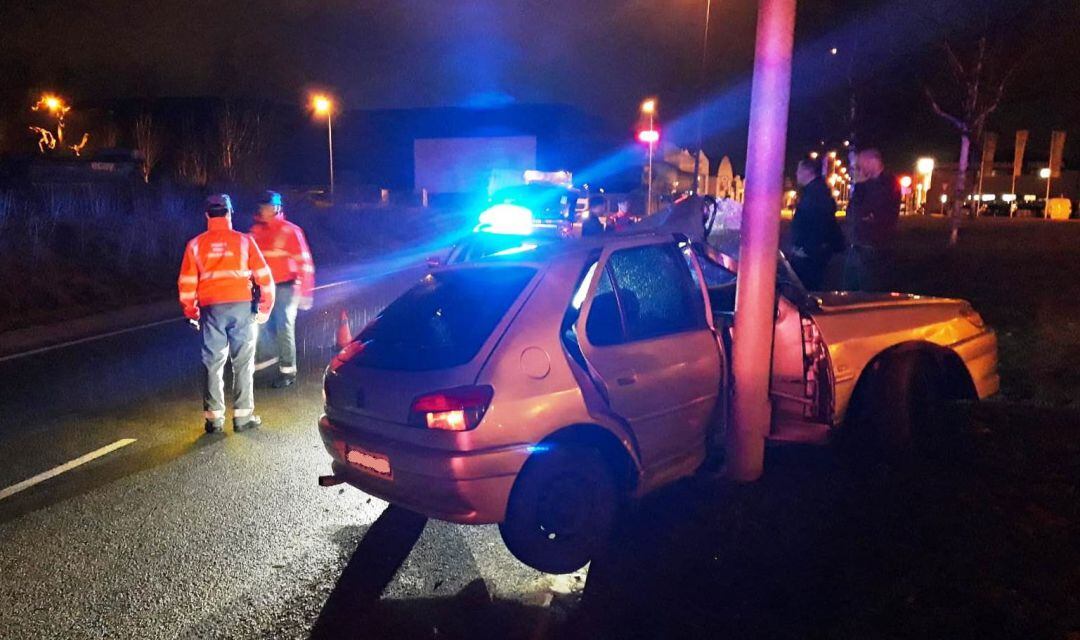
[149,142]
[241,140]
[192,165]
[979,70]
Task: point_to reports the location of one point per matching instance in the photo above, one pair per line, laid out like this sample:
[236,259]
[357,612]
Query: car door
[646,336]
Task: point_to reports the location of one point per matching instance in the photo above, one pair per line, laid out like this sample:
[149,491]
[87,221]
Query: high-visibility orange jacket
[287,253]
[219,266]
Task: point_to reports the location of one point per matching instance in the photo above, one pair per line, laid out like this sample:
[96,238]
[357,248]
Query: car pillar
[755,294]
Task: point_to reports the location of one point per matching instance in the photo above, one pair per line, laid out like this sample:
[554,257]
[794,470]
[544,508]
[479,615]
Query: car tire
[903,414]
[562,509]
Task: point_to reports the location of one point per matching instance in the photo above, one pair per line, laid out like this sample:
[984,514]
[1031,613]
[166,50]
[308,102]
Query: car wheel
[562,509]
[903,413]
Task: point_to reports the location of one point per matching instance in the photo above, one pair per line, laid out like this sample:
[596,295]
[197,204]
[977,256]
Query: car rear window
[442,321]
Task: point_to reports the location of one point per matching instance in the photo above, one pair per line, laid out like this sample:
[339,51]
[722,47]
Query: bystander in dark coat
[872,219]
[815,233]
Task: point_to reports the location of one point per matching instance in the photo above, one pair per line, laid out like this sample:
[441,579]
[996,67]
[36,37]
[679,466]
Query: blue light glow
[507,219]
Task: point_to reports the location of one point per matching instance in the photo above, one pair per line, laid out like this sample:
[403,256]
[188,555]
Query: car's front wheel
[562,509]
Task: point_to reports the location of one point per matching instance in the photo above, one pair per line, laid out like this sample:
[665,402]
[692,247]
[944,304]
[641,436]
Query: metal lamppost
[925,168]
[755,292]
[701,85]
[324,106]
[649,136]
[1046,174]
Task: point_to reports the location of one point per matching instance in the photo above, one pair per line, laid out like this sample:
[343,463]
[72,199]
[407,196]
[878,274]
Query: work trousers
[228,332]
[277,338]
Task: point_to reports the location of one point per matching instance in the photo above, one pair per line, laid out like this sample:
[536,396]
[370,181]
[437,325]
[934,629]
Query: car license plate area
[369,462]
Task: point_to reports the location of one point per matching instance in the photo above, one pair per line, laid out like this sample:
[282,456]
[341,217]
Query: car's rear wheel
[562,509]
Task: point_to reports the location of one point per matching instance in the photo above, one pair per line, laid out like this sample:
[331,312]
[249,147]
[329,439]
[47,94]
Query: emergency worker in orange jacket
[287,253]
[216,277]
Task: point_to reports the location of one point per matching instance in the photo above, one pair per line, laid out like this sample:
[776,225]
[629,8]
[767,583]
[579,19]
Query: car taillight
[346,354]
[457,409]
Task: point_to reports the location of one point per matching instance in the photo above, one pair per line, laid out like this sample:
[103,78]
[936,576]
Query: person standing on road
[286,251]
[872,214]
[215,284]
[815,234]
[592,225]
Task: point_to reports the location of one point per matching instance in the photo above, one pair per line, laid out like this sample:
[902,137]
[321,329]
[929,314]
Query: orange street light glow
[648,107]
[322,105]
[53,104]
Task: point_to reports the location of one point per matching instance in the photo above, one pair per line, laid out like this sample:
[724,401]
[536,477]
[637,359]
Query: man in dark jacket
[591,225]
[873,214]
[815,234]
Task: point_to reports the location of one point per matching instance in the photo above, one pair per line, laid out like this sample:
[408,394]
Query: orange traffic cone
[344,335]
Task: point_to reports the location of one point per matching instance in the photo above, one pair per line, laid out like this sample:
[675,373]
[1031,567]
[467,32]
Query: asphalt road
[181,534]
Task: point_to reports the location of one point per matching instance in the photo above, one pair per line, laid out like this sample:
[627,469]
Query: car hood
[844,301]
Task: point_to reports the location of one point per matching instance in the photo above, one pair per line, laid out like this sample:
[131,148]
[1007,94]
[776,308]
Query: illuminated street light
[1045,173]
[324,106]
[833,51]
[905,182]
[925,168]
[650,137]
[814,155]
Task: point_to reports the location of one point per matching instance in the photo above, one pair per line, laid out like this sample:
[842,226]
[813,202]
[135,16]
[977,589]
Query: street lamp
[925,168]
[650,137]
[1045,173]
[324,106]
[701,88]
[57,108]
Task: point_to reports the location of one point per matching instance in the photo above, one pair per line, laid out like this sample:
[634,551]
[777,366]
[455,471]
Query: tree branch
[956,122]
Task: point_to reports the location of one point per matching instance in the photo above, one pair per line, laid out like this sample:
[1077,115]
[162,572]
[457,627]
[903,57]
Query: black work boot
[215,425]
[284,380]
[244,424]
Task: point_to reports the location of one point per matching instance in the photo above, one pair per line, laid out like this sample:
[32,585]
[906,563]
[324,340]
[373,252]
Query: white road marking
[100,336]
[86,339]
[67,466]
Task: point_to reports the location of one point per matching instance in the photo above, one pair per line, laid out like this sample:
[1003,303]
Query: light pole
[1045,173]
[925,168]
[650,137]
[701,89]
[755,289]
[324,106]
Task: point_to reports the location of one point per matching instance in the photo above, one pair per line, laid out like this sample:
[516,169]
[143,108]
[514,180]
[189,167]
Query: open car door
[646,334]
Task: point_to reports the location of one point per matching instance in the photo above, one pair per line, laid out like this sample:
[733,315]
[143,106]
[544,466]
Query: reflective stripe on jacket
[219,266]
[286,251]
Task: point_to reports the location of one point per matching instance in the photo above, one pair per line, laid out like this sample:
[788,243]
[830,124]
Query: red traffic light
[649,136]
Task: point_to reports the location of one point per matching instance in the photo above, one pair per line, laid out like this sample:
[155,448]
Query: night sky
[601,55]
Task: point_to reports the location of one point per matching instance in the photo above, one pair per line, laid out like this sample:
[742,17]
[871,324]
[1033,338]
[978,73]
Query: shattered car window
[654,291]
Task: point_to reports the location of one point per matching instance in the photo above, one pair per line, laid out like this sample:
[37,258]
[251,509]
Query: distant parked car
[537,390]
[996,209]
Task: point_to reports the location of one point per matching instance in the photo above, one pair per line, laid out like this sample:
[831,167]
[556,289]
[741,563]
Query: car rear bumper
[468,487]
[980,355]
